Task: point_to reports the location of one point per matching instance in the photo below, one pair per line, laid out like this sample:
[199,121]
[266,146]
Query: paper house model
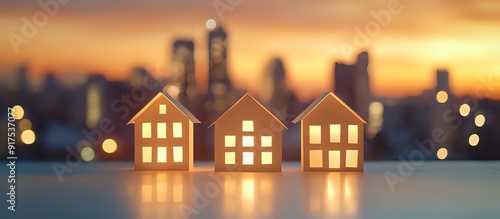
[163,134]
[248,138]
[332,136]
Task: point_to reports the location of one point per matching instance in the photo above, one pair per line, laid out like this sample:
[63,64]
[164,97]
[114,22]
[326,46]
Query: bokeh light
[28,137]
[18,112]
[25,124]
[442,96]
[109,146]
[464,110]
[479,120]
[442,153]
[474,140]
[87,154]
[210,24]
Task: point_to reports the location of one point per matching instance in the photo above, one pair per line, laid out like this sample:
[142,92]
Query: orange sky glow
[111,37]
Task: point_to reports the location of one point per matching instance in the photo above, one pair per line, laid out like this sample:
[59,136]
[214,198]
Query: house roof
[250,96]
[176,103]
[318,100]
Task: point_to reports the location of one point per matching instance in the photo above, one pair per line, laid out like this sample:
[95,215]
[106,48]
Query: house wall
[329,111]
[173,115]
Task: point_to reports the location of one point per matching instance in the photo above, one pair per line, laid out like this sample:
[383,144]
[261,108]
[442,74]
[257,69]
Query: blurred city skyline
[112,38]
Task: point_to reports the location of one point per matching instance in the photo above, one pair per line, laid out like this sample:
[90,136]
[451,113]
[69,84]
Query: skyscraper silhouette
[183,71]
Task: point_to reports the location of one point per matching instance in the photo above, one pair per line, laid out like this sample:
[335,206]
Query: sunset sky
[112,36]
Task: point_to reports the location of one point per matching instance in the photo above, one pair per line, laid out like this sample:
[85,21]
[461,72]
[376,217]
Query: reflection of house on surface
[332,194]
[332,136]
[248,138]
[163,135]
[160,194]
[253,191]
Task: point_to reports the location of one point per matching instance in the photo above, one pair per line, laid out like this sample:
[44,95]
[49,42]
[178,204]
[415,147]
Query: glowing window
[352,134]
[162,155]
[248,125]
[163,108]
[230,141]
[334,159]
[335,133]
[161,131]
[147,154]
[315,134]
[177,129]
[248,141]
[247,158]
[146,130]
[351,158]
[267,158]
[229,158]
[266,141]
[316,158]
[178,154]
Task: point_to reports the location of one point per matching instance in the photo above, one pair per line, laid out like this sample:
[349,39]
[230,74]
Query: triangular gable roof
[176,103]
[318,100]
[263,107]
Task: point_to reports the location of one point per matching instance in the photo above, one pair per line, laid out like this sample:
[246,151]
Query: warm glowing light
[316,158]
[351,158]
[25,124]
[93,106]
[146,193]
[266,141]
[178,154]
[376,107]
[248,189]
[479,120]
[315,134]
[146,130]
[162,155]
[464,110]
[18,112]
[87,154]
[247,158]
[161,130]
[267,158]
[177,129]
[248,141]
[442,96]
[229,158]
[474,140]
[375,117]
[147,154]
[210,24]
[352,134]
[442,153]
[247,126]
[230,141]
[335,133]
[177,188]
[163,109]
[28,137]
[161,184]
[334,159]
[109,146]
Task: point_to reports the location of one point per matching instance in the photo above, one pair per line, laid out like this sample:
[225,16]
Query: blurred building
[182,75]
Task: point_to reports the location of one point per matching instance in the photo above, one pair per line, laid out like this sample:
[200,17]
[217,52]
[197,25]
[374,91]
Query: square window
[146,130]
[315,134]
[267,158]
[266,141]
[178,154]
[177,127]
[248,125]
[335,133]
[162,155]
[316,158]
[333,159]
[161,131]
[230,141]
[147,154]
[351,158]
[229,158]
[247,158]
[352,134]
[248,141]
[163,108]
